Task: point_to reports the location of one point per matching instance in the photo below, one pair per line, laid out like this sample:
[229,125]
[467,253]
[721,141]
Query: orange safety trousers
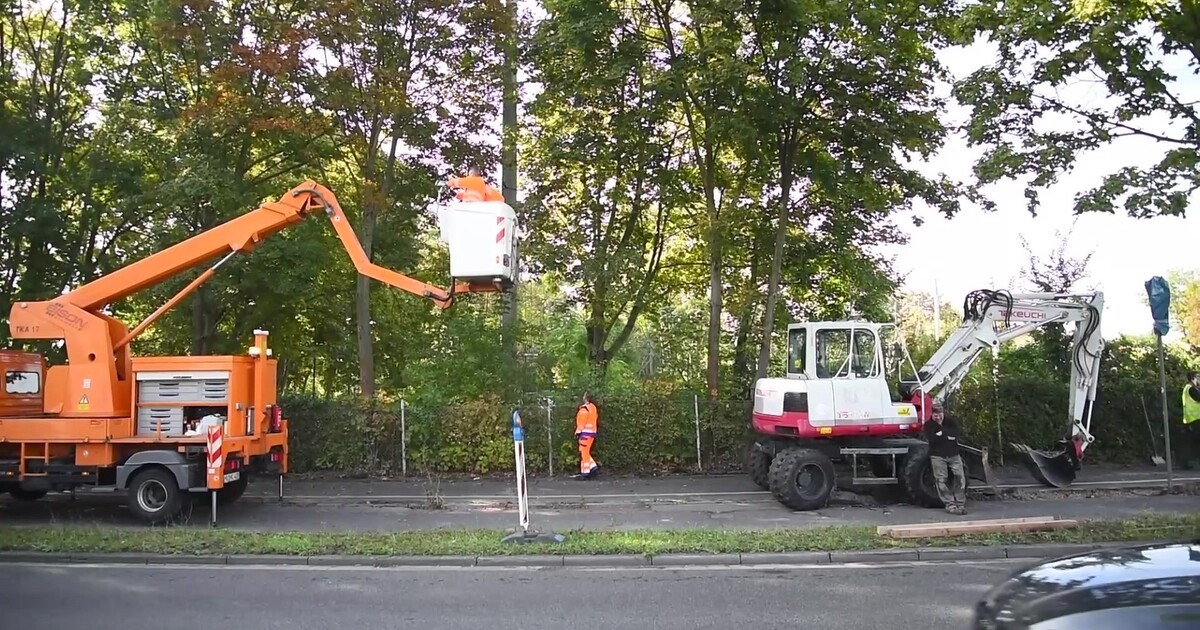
[585,432]
[586,463]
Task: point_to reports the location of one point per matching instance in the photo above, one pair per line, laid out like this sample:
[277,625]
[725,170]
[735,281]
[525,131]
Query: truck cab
[24,383]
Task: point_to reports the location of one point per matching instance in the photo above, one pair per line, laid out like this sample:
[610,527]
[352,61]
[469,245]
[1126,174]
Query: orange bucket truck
[168,429]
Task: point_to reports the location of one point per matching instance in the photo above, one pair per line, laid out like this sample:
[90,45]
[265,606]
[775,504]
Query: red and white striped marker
[215,455]
[501,229]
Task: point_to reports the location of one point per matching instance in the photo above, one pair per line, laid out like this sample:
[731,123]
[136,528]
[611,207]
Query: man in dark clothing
[942,434]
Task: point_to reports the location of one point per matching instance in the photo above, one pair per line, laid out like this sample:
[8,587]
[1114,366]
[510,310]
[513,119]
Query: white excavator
[836,402]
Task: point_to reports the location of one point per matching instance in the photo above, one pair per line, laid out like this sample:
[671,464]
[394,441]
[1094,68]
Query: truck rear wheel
[802,478]
[232,491]
[27,495]
[154,496]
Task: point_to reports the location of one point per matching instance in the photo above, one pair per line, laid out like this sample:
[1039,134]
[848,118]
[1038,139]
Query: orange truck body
[108,418]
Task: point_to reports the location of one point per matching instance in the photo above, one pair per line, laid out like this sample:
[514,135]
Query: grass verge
[195,541]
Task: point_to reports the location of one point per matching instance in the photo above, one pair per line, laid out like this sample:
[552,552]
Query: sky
[978,249]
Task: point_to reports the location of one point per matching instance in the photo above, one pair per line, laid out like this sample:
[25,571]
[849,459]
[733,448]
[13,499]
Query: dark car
[1142,587]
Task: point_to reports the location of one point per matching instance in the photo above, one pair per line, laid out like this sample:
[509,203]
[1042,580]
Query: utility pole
[508,162]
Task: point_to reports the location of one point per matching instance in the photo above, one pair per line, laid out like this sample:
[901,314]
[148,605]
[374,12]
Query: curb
[559,501]
[1030,552]
[586,500]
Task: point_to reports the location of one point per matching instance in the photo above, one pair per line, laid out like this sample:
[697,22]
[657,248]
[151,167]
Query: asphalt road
[926,596]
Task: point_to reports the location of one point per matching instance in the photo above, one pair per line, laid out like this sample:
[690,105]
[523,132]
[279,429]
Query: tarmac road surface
[929,596]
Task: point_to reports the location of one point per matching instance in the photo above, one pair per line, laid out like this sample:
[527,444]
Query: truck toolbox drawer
[170,419]
[201,391]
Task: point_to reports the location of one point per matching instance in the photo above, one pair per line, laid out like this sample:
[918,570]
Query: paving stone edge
[1032,552]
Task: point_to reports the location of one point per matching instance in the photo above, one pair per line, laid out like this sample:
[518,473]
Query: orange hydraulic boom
[110,418]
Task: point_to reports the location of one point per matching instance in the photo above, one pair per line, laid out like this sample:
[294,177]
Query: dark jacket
[943,437]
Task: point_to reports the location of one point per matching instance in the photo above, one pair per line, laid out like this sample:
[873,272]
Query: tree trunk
[366,342]
[787,173]
[362,291]
[715,239]
[203,307]
[508,160]
[741,347]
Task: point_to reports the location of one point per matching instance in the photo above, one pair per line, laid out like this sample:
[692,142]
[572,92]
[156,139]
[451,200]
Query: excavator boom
[97,344]
[992,318]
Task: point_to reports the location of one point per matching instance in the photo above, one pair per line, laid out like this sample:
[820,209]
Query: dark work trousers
[1183,443]
[951,478]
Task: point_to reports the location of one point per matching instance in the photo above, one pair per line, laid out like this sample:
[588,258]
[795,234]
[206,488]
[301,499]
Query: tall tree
[1185,304]
[45,67]
[700,41]
[403,85]
[1018,105]
[1059,272]
[603,165]
[218,87]
[845,88]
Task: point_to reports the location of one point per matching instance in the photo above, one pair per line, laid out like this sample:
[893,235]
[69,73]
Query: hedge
[655,431]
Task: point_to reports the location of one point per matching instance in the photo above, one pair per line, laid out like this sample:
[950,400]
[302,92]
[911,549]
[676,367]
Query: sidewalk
[561,489]
[630,511]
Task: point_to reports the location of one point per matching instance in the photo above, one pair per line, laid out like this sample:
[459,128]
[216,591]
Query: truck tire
[154,496]
[28,496]
[233,491]
[787,478]
[758,465]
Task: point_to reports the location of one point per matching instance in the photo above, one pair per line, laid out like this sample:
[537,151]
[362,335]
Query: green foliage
[653,429]
[681,162]
[1022,109]
[1185,304]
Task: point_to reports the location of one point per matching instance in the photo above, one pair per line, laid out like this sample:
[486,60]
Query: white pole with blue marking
[519,453]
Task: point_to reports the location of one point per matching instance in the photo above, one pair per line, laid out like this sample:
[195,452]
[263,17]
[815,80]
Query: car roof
[1155,574]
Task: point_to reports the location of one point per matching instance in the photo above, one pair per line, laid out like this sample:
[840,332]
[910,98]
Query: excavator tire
[154,496]
[758,465]
[918,479]
[802,478]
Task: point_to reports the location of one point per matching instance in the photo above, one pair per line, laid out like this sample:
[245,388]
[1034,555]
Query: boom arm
[97,344]
[242,234]
[1020,314]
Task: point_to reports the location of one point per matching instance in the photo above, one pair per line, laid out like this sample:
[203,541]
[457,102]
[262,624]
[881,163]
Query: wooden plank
[885,529]
[987,528]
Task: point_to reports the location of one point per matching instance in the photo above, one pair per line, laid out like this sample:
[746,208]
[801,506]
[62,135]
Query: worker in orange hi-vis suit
[586,420]
[474,188]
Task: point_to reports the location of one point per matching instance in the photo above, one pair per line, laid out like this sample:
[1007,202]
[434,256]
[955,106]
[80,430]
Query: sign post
[216,467]
[523,534]
[1158,293]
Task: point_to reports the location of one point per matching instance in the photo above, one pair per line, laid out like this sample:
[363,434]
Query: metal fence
[643,434]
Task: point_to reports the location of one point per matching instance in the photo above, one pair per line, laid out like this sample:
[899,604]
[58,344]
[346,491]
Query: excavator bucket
[1051,468]
[975,460]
